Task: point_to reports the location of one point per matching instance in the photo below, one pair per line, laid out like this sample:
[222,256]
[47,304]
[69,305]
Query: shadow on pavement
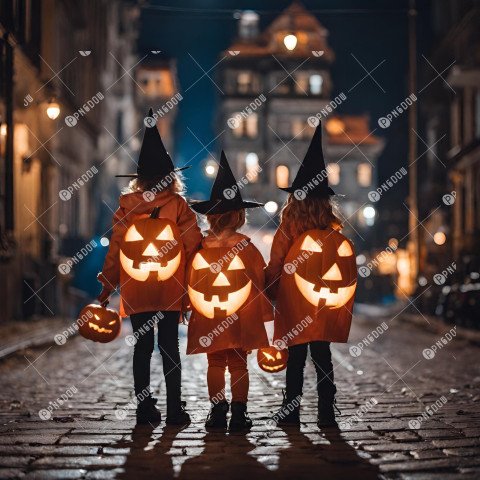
[320,454]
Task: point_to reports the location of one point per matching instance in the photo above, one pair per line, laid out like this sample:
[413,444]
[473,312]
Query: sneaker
[240,419]
[217,417]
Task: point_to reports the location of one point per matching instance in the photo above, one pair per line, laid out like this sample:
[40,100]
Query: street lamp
[290,41]
[271,207]
[210,168]
[53,109]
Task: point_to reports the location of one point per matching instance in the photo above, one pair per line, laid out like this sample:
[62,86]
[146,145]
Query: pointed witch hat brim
[312,178]
[225,195]
[154,160]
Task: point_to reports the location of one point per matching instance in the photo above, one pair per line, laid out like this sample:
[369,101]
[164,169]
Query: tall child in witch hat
[317,295]
[225,286]
[154,234]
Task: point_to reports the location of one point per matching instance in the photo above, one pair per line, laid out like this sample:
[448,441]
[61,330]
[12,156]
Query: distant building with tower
[274,82]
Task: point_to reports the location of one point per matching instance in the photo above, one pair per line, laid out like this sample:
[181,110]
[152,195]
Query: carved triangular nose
[333,273]
[221,281]
[150,251]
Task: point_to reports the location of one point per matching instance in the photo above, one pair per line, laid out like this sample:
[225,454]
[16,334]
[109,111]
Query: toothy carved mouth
[164,272]
[314,294]
[207,307]
[98,329]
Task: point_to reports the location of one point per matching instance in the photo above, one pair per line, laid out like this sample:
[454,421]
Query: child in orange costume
[225,287]
[312,275]
[151,270]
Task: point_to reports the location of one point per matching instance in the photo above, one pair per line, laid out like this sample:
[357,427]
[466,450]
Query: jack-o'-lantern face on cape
[326,274]
[150,250]
[98,323]
[218,283]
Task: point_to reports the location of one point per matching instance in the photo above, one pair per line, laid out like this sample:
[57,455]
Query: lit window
[251,125]
[244,127]
[252,167]
[282,174]
[244,82]
[298,127]
[364,174]
[301,83]
[316,82]
[333,170]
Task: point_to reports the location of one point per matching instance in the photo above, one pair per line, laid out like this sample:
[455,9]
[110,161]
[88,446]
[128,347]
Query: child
[225,286]
[151,270]
[313,302]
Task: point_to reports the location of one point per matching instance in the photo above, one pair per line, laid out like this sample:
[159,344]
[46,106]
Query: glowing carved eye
[345,250]
[310,244]
[333,273]
[199,262]
[268,356]
[166,234]
[236,264]
[279,356]
[112,322]
[132,235]
[96,316]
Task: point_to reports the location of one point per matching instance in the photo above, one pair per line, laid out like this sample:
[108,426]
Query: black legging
[167,343]
[322,359]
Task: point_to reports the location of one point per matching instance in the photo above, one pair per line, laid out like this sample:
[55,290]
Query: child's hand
[104,295]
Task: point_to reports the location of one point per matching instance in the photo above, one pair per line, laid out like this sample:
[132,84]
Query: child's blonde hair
[232,220]
[298,216]
[172,182]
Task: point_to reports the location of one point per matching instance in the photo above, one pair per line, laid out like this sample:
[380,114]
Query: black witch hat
[154,160]
[225,195]
[312,178]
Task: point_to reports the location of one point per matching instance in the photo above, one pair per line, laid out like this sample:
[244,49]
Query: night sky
[379,34]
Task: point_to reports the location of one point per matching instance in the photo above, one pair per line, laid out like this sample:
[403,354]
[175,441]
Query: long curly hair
[172,182]
[298,216]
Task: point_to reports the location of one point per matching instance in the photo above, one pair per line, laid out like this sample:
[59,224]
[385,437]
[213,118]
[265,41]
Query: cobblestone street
[85,438]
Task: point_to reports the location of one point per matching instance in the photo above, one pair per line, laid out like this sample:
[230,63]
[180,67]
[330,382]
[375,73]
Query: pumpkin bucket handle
[155,212]
[105,303]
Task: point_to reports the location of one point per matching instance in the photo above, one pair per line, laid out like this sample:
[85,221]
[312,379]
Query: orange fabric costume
[212,327]
[141,296]
[298,320]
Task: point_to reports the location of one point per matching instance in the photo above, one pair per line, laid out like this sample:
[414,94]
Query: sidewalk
[22,334]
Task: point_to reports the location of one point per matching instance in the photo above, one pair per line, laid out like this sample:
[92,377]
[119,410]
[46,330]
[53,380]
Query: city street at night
[84,438]
[240,239]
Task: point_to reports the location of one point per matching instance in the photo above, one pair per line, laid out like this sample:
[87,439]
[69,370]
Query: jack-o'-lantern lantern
[218,284]
[272,360]
[326,273]
[150,250]
[99,323]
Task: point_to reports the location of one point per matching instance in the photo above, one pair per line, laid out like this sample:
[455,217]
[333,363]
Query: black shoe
[217,417]
[178,415]
[326,414]
[147,413]
[289,412]
[239,420]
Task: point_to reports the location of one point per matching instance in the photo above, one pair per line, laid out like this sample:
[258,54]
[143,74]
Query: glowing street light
[53,110]
[271,207]
[210,168]
[439,238]
[290,41]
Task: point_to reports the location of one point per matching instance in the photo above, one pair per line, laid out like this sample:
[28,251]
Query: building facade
[277,85]
[53,111]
